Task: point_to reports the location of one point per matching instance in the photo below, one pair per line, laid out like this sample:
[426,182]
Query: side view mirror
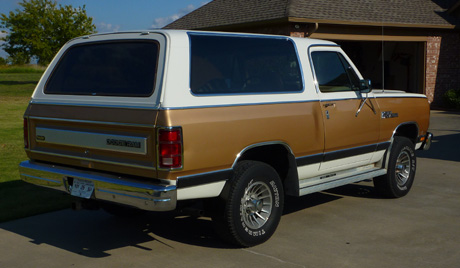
[365,86]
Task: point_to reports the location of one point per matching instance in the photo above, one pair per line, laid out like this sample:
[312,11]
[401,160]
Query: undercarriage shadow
[94,233]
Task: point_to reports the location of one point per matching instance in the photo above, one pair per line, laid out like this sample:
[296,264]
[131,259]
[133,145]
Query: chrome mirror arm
[362,105]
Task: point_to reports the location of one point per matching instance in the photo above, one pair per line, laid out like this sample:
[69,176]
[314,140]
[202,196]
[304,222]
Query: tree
[41,27]
[3,61]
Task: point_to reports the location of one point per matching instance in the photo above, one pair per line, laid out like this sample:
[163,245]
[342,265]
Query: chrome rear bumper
[143,195]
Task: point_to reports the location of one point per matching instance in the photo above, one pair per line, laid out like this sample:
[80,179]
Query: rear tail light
[170,148]
[26,133]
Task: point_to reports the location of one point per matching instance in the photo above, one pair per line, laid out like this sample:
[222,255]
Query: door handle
[329,104]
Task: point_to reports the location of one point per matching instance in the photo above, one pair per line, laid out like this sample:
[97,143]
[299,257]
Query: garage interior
[403,65]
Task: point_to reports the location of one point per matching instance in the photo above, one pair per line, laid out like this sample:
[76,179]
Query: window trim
[245,93]
[155,76]
[342,61]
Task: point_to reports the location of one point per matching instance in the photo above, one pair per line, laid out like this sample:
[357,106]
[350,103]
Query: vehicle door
[350,116]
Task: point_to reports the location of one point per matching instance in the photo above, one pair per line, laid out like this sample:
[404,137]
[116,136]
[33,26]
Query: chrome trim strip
[399,97]
[159,107]
[258,145]
[91,122]
[93,160]
[235,105]
[95,105]
[246,94]
[92,140]
[340,99]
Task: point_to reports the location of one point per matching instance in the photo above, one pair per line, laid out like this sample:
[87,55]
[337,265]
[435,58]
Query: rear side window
[239,65]
[125,68]
[333,72]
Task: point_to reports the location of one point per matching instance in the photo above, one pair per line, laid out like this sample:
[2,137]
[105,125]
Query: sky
[123,15]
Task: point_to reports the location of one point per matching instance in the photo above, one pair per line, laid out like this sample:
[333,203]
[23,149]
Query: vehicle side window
[242,65]
[333,72]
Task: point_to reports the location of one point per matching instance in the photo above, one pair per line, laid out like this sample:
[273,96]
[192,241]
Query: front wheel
[252,207]
[401,170]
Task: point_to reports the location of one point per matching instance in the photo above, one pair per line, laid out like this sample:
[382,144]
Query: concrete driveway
[345,227]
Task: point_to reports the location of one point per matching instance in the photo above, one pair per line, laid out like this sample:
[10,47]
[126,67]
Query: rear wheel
[401,170]
[252,205]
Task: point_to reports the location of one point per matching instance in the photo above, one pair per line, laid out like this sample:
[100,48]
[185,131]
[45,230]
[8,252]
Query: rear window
[239,65]
[125,68]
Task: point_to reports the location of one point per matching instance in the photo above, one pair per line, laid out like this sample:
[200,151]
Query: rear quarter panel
[409,107]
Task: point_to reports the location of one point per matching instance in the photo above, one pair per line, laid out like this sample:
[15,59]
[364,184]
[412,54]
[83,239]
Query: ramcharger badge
[125,143]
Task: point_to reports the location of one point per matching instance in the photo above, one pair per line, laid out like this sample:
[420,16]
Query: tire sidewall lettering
[411,153]
[275,193]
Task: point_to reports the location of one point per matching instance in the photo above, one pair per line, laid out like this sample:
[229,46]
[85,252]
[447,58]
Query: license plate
[82,188]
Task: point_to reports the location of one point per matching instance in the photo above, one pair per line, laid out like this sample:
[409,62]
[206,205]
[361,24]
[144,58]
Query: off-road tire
[250,208]
[400,171]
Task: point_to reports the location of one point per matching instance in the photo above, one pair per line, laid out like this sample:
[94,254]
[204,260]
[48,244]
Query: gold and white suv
[151,119]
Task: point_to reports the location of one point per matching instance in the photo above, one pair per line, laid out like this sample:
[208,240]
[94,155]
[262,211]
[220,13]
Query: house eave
[359,23]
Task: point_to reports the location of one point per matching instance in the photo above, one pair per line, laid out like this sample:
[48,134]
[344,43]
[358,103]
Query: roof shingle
[231,12]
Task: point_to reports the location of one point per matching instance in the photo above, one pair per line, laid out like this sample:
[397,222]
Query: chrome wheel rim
[403,168]
[256,205]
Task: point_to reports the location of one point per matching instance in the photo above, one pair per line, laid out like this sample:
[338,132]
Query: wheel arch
[278,155]
[409,130]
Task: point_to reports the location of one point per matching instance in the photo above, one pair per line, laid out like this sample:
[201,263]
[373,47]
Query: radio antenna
[383,61]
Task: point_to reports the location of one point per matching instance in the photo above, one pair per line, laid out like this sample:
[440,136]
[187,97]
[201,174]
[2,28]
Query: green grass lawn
[19,199]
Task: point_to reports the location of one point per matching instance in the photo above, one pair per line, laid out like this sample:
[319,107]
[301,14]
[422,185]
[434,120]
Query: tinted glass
[333,72]
[238,65]
[354,79]
[106,69]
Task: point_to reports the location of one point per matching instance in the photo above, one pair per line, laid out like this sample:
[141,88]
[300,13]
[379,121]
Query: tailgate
[119,140]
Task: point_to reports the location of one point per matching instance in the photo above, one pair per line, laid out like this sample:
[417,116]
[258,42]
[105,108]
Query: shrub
[452,98]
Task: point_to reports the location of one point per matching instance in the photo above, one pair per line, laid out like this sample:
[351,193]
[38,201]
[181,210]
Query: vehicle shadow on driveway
[95,233]
[445,147]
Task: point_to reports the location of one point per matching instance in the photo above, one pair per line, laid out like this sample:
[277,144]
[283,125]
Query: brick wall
[445,51]
[433,48]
